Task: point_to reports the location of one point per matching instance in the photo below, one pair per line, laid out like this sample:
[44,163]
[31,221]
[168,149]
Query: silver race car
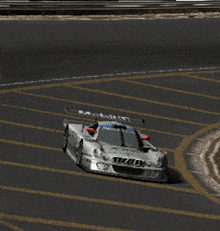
[111,147]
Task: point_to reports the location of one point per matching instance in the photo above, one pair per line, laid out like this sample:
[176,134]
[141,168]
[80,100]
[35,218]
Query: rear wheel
[65,139]
[79,153]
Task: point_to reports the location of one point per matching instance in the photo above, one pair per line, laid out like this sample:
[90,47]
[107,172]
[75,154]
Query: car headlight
[97,153]
[159,163]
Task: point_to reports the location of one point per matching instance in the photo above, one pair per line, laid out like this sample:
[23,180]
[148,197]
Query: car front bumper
[144,173]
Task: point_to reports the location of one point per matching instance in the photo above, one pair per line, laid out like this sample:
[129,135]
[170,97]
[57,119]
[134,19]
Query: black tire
[79,153]
[65,139]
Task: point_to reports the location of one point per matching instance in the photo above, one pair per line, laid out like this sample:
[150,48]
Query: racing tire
[65,140]
[79,153]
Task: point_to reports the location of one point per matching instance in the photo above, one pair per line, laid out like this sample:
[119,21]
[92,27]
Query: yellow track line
[146,76]
[181,165]
[52,148]
[203,78]
[31,126]
[112,203]
[169,74]
[10,225]
[171,89]
[114,109]
[101,177]
[59,223]
[88,81]
[43,86]
[35,87]
[47,112]
[53,130]
[45,147]
[162,132]
[30,145]
[145,100]
[64,115]
[203,72]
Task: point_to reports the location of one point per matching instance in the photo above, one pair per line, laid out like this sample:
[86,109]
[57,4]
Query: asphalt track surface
[113,67]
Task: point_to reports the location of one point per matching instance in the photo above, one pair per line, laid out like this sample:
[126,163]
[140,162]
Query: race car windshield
[118,137]
[130,139]
[110,136]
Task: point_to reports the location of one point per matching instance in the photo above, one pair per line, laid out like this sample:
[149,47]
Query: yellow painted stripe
[53,85]
[64,115]
[35,87]
[54,130]
[47,112]
[30,126]
[101,177]
[171,89]
[203,72]
[10,225]
[162,132]
[112,203]
[181,165]
[87,81]
[145,100]
[91,81]
[58,223]
[169,74]
[30,145]
[203,78]
[50,148]
[51,130]
[115,109]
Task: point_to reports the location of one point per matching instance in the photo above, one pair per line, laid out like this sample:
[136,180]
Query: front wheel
[79,153]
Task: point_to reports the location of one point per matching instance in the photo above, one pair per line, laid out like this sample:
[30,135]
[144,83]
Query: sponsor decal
[110,128]
[114,117]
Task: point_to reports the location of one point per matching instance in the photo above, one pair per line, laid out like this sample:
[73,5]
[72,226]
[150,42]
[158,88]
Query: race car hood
[122,151]
[118,151]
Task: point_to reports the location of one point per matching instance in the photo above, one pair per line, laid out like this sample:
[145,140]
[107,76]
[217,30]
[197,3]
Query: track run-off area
[41,187]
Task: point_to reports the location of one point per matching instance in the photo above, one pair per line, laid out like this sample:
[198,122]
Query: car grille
[127,170]
[128,162]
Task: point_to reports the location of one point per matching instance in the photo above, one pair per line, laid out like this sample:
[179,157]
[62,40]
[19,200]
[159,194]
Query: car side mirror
[91,130]
[145,138]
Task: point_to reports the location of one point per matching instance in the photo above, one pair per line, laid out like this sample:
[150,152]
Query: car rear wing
[102,116]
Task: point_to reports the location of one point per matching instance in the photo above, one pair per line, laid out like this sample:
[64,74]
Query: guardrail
[58,6]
